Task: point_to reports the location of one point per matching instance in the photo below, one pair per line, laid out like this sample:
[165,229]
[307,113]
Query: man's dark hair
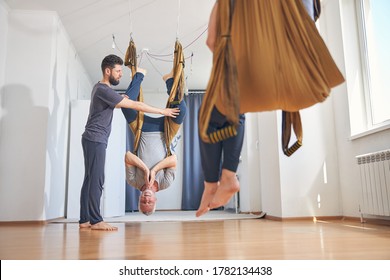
[110,61]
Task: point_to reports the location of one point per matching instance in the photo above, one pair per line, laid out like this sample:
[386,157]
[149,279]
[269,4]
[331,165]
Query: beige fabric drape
[170,127]
[280,61]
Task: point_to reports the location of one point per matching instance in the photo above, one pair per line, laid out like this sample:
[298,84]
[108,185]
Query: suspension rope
[196,39]
[166,60]
[115,45]
[155,68]
[130,21]
[140,58]
[191,43]
[178,20]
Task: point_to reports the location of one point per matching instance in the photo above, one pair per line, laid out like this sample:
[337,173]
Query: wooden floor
[249,239]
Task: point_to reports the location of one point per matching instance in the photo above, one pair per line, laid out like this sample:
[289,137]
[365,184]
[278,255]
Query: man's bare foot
[228,186]
[85,225]
[141,70]
[207,197]
[167,76]
[103,226]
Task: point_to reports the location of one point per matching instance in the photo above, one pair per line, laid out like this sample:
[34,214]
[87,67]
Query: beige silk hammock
[170,127]
[268,56]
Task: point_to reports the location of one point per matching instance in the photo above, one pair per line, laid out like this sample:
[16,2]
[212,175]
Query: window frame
[370,126]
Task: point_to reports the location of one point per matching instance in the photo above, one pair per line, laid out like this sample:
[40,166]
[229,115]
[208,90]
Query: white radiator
[375,183]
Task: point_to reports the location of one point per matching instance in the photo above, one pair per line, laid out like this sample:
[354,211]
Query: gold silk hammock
[170,127]
[268,56]
[131,62]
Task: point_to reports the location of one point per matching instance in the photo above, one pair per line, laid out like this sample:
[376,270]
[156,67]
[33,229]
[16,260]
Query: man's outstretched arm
[143,107]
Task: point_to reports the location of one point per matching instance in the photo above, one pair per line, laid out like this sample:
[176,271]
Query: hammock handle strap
[291,119]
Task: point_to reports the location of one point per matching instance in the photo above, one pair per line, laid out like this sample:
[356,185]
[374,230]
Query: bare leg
[103,226]
[228,186]
[207,197]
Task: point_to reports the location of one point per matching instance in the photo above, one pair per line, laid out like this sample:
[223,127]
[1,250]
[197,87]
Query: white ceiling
[154,25]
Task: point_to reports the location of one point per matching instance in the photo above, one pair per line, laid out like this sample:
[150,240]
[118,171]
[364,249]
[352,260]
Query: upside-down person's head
[147,202]
[112,68]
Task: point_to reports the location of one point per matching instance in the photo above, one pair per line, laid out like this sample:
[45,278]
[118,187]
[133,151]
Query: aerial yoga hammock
[170,126]
[268,56]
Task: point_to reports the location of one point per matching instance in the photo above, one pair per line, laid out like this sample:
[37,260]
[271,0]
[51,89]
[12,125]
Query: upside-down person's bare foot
[141,70]
[85,225]
[167,76]
[103,226]
[228,186]
[207,197]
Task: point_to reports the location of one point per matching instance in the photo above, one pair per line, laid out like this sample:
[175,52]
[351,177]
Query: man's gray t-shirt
[103,102]
[151,150]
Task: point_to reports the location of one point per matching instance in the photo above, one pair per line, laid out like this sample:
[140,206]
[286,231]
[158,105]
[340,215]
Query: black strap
[317,9]
[291,119]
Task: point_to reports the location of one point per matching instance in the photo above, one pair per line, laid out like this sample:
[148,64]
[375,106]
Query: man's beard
[112,81]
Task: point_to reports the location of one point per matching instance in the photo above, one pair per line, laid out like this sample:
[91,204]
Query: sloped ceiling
[153,24]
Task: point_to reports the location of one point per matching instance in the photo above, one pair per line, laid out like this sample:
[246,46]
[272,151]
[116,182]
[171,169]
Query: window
[374,36]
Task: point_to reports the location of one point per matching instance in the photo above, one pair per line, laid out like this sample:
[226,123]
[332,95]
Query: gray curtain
[132,193]
[309,7]
[192,169]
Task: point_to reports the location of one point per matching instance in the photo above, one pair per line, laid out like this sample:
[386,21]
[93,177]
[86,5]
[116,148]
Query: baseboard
[374,221]
[23,223]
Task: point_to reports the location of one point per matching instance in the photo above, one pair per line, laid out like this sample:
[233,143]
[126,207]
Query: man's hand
[171,112]
[152,177]
[146,175]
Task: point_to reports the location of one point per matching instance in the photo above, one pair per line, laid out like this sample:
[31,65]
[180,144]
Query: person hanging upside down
[152,168]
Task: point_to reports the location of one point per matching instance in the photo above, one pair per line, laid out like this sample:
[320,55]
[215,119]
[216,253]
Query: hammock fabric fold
[170,127]
[269,56]
[131,62]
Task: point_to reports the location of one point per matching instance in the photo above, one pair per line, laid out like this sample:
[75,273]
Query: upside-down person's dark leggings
[224,154]
[151,124]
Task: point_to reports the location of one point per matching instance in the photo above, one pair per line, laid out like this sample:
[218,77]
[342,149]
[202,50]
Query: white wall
[24,122]
[39,82]
[248,170]
[298,186]
[310,178]
[334,28]
[3,42]
[269,164]
[65,76]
